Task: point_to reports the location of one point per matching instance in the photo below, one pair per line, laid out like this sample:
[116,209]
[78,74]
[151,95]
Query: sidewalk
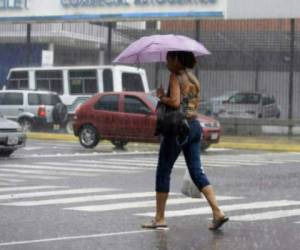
[269,143]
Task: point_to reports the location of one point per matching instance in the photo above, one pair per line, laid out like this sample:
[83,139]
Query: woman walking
[182,83]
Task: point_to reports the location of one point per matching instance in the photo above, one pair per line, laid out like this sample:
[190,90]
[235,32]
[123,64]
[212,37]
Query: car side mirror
[225,102]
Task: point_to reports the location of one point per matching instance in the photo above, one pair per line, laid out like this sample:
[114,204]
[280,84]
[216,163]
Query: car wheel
[26,124]
[204,147]
[69,127]
[88,136]
[6,153]
[119,143]
[60,113]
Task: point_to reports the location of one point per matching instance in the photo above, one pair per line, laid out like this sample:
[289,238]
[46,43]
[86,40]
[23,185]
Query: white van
[75,84]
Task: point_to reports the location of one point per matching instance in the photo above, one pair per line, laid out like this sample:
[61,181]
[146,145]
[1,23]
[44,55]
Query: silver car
[33,109]
[11,137]
[250,105]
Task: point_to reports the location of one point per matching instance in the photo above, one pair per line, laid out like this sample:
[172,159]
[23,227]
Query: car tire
[26,124]
[6,153]
[69,127]
[60,113]
[120,144]
[88,136]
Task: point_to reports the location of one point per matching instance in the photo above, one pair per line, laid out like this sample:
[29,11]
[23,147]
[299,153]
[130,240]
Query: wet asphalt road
[57,195]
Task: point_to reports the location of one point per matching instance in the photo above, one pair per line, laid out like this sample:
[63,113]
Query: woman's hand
[160,93]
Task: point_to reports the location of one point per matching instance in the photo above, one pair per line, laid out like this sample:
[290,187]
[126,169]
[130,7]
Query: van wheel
[26,124]
[88,136]
[119,143]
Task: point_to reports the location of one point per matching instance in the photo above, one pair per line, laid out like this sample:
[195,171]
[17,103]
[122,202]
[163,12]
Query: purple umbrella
[154,48]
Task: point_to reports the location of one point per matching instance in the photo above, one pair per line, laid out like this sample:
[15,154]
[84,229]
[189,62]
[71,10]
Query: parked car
[217,102]
[11,137]
[124,117]
[33,109]
[250,105]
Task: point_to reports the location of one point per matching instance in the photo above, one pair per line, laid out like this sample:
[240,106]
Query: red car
[123,117]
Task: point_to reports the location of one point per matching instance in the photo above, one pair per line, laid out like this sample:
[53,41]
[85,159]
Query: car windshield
[153,100]
[245,98]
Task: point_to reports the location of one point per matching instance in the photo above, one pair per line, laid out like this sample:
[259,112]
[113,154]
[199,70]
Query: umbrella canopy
[154,48]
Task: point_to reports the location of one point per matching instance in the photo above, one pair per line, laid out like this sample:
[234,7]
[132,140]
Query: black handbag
[171,122]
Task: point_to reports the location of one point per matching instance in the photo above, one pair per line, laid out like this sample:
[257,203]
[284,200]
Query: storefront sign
[113,10]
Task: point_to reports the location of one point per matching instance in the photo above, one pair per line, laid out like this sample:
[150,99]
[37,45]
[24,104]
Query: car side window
[108,102]
[12,99]
[268,100]
[135,105]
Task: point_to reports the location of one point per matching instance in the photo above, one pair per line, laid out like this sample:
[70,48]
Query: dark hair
[186,58]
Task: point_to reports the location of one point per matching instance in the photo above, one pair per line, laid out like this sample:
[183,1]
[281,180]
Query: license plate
[12,140]
[214,136]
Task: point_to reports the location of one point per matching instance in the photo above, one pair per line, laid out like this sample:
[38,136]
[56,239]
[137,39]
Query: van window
[132,82]
[18,80]
[108,102]
[49,80]
[83,82]
[107,80]
[11,99]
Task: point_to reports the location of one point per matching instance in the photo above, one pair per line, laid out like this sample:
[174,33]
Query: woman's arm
[174,100]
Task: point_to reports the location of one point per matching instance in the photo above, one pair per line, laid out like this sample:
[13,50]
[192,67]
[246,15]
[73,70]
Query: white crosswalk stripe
[31,176]
[227,208]
[101,203]
[10,180]
[140,204]
[55,193]
[266,215]
[79,199]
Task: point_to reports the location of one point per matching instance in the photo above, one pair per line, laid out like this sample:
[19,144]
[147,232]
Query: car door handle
[21,109]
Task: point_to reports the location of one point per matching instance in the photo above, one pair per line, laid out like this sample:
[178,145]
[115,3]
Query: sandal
[154,225]
[216,224]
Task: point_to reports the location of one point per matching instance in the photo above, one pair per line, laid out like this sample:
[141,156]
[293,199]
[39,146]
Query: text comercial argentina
[98,3]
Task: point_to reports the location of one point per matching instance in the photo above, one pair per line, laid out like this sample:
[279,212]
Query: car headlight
[19,129]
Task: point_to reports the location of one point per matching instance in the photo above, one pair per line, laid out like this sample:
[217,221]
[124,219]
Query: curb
[252,143]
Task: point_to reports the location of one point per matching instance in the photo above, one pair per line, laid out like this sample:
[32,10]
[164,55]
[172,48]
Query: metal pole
[109,41]
[28,44]
[291,76]
[198,39]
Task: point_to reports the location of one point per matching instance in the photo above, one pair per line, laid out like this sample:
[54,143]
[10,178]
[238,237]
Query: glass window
[135,105]
[132,82]
[18,80]
[107,80]
[12,99]
[43,99]
[108,102]
[51,80]
[2,95]
[244,98]
[83,81]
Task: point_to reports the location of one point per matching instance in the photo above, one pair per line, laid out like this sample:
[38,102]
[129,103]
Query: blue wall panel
[15,55]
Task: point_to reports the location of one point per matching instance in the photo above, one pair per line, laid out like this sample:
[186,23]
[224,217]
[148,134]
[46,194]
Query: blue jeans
[169,152]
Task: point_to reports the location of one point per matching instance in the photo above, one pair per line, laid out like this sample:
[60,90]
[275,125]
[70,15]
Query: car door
[268,107]
[106,115]
[138,119]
